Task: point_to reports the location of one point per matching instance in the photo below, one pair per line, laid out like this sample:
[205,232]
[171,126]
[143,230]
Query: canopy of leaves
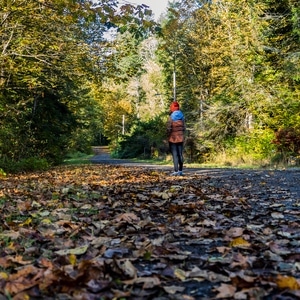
[236,63]
[48,64]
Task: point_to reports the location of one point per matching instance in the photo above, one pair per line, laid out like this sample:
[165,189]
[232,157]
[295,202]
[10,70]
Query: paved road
[265,183]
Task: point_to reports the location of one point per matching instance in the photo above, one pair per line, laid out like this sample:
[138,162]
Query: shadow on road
[259,180]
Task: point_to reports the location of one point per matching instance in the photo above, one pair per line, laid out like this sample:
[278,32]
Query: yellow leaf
[12,246]
[27,222]
[287,282]
[46,221]
[154,173]
[239,242]
[72,259]
[3,275]
[180,274]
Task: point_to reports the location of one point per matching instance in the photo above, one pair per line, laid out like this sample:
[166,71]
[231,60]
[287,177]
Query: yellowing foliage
[287,282]
[239,242]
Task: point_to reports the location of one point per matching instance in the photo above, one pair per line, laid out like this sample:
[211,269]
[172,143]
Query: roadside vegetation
[77,74]
[81,74]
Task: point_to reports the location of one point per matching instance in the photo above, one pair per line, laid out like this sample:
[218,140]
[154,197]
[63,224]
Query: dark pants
[176,150]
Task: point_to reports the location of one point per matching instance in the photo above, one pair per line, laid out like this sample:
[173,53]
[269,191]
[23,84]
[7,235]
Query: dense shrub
[287,143]
[287,140]
[146,140]
[252,148]
[24,165]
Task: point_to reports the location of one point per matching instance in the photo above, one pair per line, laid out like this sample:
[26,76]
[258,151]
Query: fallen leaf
[277,215]
[235,232]
[72,259]
[287,282]
[240,243]
[127,267]
[76,251]
[225,291]
[180,274]
[127,217]
[173,289]
[148,282]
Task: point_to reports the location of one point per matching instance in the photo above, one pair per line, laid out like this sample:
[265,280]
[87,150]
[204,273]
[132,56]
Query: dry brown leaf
[173,289]
[179,223]
[22,280]
[19,259]
[128,217]
[223,250]
[148,282]
[225,291]
[127,267]
[239,260]
[235,232]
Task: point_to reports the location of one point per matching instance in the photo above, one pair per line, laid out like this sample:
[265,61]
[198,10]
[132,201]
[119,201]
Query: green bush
[252,149]
[144,141]
[24,165]
[258,144]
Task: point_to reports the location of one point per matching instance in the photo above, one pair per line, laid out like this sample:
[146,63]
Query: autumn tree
[50,53]
[225,78]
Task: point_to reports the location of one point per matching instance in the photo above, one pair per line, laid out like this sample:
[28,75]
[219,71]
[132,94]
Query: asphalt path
[264,183]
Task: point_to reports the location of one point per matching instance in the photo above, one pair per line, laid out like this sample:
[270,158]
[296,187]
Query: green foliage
[24,165]
[63,84]
[252,149]
[49,63]
[146,140]
[237,65]
[258,144]
[78,157]
[2,173]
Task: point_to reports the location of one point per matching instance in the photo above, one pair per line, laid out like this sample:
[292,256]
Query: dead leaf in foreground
[287,282]
[225,291]
[112,232]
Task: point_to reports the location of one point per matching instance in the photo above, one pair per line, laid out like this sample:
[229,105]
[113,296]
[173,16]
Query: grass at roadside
[81,158]
[78,158]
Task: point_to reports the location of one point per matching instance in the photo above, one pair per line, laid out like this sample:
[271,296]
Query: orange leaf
[239,242]
[22,280]
[287,282]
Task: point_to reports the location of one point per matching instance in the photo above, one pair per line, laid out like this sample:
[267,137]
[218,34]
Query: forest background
[75,74]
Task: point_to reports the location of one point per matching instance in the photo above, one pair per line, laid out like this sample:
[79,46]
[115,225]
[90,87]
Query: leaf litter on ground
[115,232]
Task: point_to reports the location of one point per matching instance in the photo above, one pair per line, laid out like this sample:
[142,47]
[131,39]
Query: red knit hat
[174,106]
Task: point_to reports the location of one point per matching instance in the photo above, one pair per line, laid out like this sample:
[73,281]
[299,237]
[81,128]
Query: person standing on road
[175,131]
